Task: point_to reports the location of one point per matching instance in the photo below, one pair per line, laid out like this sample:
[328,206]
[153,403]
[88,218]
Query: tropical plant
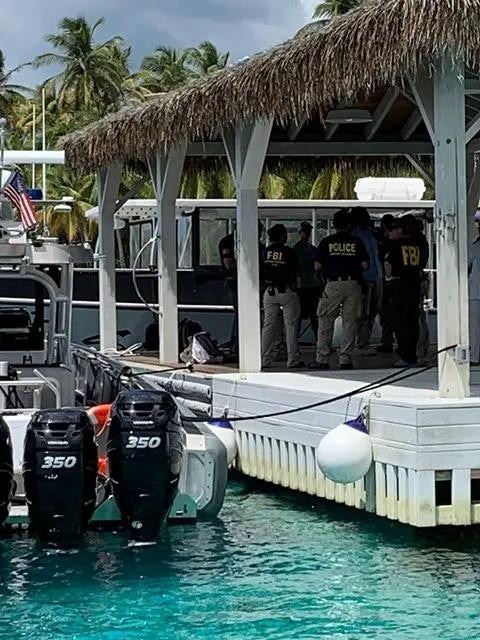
[93,73]
[330,8]
[165,69]
[10,94]
[206,58]
[83,190]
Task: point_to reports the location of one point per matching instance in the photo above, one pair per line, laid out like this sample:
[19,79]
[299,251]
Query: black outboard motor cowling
[145,452]
[7,483]
[60,473]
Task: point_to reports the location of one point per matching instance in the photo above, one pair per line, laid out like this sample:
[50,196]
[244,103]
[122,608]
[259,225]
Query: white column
[451,219]
[246,151]
[109,184]
[166,172]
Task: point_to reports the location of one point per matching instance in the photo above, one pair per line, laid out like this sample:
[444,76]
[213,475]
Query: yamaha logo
[56,443]
[142,422]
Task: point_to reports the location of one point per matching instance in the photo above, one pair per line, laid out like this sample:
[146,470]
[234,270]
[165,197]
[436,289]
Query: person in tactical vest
[342,258]
[280,301]
[309,286]
[404,264]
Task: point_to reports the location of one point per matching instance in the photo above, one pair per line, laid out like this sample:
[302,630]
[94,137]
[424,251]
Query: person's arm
[363,255]
[387,267]
[228,260]
[319,257]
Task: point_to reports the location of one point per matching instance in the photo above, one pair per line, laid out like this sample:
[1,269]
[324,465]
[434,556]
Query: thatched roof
[356,54]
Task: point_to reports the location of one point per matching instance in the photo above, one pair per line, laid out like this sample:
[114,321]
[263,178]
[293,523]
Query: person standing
[228,259]
[423,344]
[386,345]
[372,280]
[309,290]
[342,258]
[280,301]
[403,273]
[474,296]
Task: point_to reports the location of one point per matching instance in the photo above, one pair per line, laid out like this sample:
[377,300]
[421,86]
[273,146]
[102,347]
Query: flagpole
[44,143]
[3,126]
[34,145]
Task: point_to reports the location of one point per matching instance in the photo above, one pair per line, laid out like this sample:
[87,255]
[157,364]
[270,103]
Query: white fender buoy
[345,454]
[225,432]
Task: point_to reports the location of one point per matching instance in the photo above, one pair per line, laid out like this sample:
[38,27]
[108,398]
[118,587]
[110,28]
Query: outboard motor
[60,473]
[7,483]
[145,453]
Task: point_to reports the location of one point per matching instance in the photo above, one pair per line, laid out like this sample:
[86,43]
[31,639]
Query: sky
[242,27]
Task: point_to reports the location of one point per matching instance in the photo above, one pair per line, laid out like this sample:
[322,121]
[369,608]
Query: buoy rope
[372,386]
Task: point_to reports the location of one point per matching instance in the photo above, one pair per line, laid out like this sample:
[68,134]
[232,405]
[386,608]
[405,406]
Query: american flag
[16,192]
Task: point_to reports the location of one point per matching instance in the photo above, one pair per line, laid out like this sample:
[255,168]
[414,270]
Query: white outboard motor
[345,454]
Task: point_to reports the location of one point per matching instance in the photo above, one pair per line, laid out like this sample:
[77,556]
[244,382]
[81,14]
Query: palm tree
[165,69]
[206,58]
[330,8]
[10,94]
[93,73]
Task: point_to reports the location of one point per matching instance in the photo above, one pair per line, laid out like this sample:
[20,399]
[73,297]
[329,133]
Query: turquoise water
[274,566]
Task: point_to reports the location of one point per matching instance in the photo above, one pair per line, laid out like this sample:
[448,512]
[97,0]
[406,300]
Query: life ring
[100,417]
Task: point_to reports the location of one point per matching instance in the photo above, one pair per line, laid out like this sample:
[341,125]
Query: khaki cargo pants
[278,308]
[344,296]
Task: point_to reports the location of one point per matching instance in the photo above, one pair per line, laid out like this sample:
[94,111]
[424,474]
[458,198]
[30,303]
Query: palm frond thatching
[356,54]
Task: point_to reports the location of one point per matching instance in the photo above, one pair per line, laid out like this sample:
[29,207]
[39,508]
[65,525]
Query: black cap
[305,226]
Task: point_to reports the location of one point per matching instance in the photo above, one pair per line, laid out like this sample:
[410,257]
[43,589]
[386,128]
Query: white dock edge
[426,449]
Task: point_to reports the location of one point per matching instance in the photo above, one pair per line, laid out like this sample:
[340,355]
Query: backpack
[202,350]
[186,330]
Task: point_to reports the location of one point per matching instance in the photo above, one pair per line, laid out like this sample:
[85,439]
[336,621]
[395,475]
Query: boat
[84,440]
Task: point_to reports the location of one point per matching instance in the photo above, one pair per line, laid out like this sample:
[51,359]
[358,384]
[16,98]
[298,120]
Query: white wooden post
[451,219]
[109,184]
[246,150]
[166,172]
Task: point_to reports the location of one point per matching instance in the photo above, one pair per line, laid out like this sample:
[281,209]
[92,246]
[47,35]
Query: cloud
[242,28]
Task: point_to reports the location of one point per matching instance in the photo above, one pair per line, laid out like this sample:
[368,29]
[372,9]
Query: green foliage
[96,78]
[93,73]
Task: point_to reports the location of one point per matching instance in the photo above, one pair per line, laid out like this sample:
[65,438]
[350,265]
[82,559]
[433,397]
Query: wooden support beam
[426,175]
[381,112]
[473,128]
[472,86]
[109,184]
[331,130]
[166,174]
[246,149]
[131,193]
[422,90]
[325,149]
[451,217]
[296,127]
[411,125]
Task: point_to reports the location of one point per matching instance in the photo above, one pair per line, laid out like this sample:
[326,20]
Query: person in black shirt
[280,301]
[386,345]
[403,271]
[228,260]
[342,258]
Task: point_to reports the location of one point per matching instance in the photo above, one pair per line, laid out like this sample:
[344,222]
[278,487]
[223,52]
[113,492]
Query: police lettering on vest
[341,256]
[280,266]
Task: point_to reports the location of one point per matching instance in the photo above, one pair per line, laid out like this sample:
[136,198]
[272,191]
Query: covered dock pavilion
[391,78]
